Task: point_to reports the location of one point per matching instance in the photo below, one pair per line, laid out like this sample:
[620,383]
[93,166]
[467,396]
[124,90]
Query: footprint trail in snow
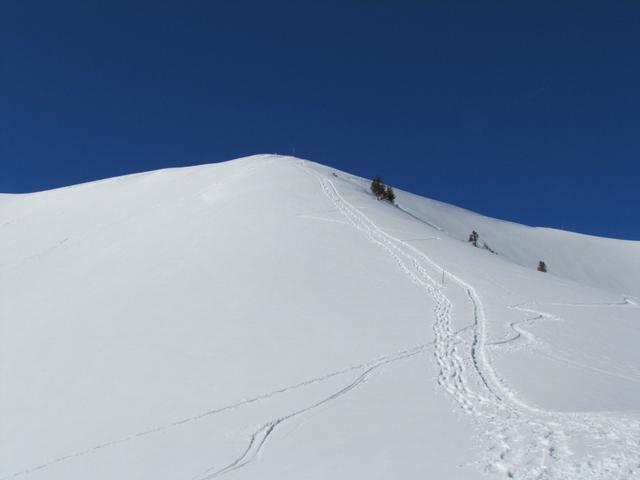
[520,441]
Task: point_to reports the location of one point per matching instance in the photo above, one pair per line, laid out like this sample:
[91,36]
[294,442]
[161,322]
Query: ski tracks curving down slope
[260,437]
[520,441]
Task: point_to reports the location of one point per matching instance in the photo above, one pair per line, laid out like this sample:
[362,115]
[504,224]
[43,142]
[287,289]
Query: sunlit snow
[268,318]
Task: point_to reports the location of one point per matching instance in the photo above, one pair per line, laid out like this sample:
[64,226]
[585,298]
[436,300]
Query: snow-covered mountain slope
[601,262]
[268,318]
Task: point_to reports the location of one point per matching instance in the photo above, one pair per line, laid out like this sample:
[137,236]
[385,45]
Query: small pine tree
[377,187]
[389,195]
[473,238]
[542,267]
[374,185]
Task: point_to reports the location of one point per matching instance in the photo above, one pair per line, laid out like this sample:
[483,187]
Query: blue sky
[526,111]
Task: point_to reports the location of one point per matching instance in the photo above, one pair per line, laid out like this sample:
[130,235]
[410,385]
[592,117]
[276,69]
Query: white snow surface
[268,318]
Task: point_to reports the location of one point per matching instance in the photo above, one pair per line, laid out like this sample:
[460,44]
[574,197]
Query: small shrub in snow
[473,238]
[542,267]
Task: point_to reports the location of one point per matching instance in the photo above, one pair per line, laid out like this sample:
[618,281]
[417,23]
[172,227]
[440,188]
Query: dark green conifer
[389,195]
[377,187]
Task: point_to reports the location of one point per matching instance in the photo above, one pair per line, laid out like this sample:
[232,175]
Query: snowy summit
[270,318]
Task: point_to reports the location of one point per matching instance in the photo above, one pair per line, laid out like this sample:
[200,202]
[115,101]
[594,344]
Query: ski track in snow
[259,437]
[521,441]
[522,338]
[421,220]
[256,442]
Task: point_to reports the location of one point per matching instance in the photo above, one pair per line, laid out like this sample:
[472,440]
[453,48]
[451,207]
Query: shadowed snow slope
[268,318]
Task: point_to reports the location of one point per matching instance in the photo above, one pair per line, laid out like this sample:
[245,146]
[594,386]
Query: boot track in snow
[521,441]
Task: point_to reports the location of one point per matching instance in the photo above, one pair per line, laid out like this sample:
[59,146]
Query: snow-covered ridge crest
[606,263]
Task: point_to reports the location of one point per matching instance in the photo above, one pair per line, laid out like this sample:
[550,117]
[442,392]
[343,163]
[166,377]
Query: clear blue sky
[527,111]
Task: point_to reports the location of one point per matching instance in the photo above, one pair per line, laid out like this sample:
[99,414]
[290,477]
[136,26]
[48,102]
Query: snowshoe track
[521,441]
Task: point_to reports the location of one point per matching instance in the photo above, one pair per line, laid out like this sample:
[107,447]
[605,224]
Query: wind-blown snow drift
[268,318]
